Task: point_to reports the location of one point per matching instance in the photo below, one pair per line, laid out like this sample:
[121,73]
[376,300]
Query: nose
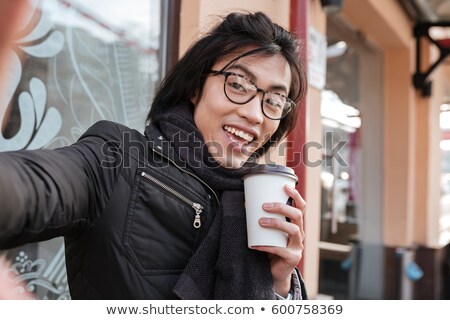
[252,110]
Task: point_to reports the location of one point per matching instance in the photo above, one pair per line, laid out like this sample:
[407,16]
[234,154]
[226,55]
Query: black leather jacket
[83,191]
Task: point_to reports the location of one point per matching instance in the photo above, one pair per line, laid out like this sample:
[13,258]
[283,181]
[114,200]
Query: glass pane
[340,175]
[444,220]
[73,63]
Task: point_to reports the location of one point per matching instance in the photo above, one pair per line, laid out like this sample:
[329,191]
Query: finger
[295,195]
[290,228]
[295,234]
[293,213]
[295,217]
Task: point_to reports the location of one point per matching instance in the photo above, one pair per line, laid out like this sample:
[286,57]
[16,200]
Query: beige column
[198,15]
[189,24]
[317,20]
[399,149]
[428,153]
[11,16]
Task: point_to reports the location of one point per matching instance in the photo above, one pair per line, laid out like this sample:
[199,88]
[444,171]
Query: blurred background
[371,146]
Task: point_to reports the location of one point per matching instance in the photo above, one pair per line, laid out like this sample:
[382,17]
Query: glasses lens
[275,105]
[238,89]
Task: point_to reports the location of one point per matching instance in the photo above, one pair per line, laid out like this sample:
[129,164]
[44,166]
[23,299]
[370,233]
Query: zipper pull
[198,210]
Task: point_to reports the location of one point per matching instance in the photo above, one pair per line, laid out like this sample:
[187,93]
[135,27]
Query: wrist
[282,288]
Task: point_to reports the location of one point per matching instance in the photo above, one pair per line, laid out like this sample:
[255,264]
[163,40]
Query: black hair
[236,32]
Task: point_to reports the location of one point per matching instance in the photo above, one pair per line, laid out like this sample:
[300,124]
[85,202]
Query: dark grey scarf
[222,267]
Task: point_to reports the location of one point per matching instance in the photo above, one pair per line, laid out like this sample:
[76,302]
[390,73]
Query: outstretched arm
[48,193]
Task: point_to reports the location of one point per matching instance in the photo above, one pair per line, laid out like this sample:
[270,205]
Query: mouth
[239,136]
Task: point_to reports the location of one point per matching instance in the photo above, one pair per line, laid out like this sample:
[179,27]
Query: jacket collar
[159,144]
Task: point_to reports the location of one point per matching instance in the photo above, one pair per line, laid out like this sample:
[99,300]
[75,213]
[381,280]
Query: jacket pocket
[163,224]
[198,208]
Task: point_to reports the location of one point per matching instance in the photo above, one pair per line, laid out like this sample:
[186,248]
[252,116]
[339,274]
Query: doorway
[351,256]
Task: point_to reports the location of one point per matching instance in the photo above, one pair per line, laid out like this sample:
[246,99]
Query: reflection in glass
[444,219]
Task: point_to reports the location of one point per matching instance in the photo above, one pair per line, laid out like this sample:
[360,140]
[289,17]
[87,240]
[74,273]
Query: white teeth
[239,133]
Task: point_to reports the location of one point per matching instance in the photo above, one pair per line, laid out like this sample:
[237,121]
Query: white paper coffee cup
[265,183]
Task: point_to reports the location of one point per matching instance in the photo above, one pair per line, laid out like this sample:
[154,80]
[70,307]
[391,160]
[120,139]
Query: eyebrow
[252,77]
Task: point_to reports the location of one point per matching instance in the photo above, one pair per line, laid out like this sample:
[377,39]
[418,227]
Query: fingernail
[264,220]
[267,205]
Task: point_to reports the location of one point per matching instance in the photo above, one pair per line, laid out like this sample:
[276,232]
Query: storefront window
[351,252]
[340,191]
[341,123]
[445,174]
[73,63]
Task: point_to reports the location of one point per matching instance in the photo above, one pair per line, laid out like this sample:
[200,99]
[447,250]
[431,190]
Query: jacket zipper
[195,205]
[189,173]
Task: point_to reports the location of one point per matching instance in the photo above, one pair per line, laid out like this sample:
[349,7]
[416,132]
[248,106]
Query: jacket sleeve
[298,286]
[298,289]
[48,193]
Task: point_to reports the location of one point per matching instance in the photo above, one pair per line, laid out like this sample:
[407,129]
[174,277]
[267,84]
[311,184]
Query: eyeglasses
[240,90]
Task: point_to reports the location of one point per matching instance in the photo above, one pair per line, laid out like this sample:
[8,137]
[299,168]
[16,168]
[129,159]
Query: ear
[194,98]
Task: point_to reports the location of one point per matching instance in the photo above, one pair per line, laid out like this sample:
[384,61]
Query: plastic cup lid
[272,169]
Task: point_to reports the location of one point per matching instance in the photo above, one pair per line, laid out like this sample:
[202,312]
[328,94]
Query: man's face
[234,131]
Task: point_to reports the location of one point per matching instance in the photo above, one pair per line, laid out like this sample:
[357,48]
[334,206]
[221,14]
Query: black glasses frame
[289,103]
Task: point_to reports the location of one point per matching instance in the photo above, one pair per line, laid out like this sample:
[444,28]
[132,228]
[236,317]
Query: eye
[274,101]
[236,86]
[240,85]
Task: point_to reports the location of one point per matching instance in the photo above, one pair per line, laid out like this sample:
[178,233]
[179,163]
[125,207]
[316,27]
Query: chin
[236,163]
[231,163]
